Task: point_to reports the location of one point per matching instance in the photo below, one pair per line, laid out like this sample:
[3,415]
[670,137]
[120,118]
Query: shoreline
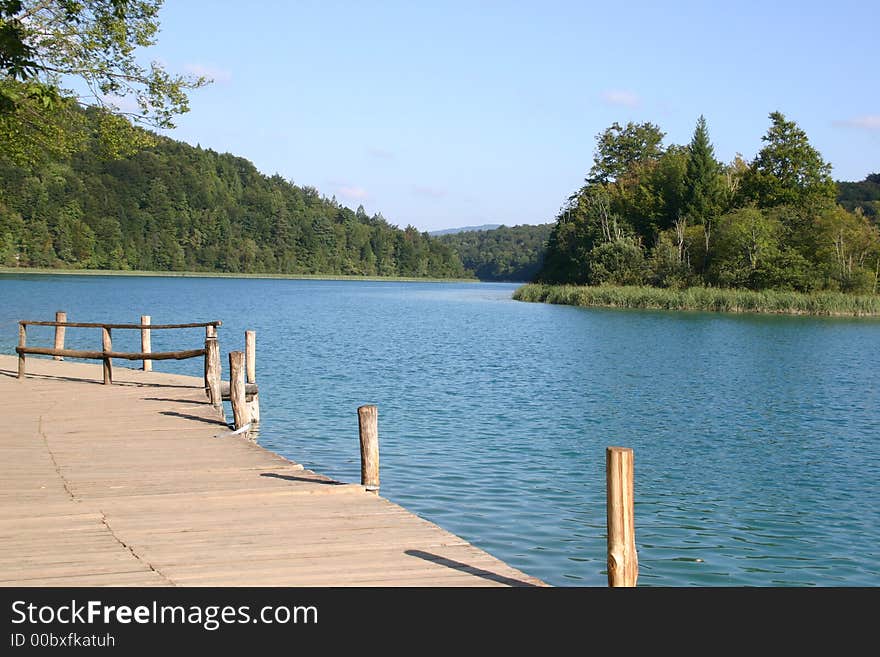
[45,271]
[701,299]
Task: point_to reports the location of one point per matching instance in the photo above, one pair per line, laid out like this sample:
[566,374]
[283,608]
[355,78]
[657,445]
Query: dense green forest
[501,254]
[171,206]
[864,195]
[673,216]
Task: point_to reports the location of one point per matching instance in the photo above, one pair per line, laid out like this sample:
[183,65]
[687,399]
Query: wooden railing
[106,354]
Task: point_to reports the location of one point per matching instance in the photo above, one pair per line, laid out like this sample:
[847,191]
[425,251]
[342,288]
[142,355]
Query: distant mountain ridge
[463,229]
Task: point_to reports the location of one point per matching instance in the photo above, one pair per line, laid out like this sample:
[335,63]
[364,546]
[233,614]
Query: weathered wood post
[250,349]
[60,316]
[623,562]
[146,347]
[107,344]
[212,371]
[22,342]
[368,424]
[236,389]
[210,331]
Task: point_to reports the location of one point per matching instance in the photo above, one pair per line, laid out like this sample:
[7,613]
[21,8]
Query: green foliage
[620,262]
[93,45]
[703,189]
[502,254]
[864,195]
[619,148]
[788,170]
[175,207]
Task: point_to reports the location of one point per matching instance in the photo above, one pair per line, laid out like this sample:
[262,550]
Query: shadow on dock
[13,374]
[309,480]
[195,418]
[465,568]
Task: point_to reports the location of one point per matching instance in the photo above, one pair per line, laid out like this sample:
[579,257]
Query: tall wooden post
[60,316]
[210,331]
[368,424]
[107,344]
[212,371]
[623,562]
[22,342]
[236,389]
[146,347]
[250,349]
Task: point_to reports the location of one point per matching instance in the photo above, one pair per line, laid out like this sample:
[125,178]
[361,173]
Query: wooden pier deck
[129,485]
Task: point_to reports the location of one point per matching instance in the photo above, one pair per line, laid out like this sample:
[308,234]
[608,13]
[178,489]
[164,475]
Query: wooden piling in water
[60,316]
[22,342]
[146,347]
[368,425]
[210,331]
[212,371]
[623,562]
[107,345]
[250,349]
[236,389]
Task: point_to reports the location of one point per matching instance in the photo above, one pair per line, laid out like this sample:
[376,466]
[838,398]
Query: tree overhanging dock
[134,484]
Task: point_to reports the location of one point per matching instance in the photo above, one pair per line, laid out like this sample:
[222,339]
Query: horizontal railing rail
[107,354]
[121,326]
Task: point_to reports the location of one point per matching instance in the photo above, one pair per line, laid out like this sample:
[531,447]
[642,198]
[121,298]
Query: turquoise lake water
[756,438]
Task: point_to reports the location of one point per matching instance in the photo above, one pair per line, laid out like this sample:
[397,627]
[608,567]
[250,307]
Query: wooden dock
[130,485]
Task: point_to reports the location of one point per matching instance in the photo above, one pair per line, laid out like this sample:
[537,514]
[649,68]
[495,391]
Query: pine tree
[703,188]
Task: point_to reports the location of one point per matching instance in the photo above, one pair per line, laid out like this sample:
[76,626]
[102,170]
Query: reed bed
[835,304]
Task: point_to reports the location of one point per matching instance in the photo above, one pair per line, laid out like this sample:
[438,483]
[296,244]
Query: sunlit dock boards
[129,485]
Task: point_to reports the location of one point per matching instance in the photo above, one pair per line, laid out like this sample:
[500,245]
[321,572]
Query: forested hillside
[864,195]
[502,254]
[175,207]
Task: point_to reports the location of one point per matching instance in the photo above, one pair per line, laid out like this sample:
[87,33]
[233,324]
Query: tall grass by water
[705,299]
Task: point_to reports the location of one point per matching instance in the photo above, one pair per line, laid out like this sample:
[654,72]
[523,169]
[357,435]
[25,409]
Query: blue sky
[444,114]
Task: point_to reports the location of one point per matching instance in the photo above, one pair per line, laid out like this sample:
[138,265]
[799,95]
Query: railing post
[60,316]
[210,331]
[236,389]
[623,562]
[368,425]
[22,342]
[212,371]
[250,349]
[107,344]
[146,345]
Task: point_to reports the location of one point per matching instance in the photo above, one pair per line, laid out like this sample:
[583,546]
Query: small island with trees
[672,228]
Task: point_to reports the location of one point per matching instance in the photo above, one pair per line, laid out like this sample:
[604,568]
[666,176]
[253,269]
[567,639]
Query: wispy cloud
[864,122]
[619,97]
[350,192]
[218,75]
[430,192]
[380,153]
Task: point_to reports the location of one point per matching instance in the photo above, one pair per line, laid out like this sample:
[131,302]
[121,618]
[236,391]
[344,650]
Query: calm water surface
[757,439]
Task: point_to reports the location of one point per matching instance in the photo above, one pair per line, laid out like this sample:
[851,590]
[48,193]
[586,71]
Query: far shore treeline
[175,207]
